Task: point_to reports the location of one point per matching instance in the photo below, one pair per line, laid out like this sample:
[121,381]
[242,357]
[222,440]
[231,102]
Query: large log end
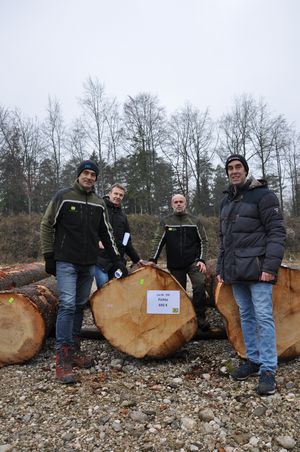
[22,328]
[120,313]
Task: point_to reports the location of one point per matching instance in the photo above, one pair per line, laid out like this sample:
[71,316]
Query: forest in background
[154,154]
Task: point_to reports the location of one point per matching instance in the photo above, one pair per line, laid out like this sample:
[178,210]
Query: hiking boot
[79,358]
[246,370]
[266,383]
[64,365]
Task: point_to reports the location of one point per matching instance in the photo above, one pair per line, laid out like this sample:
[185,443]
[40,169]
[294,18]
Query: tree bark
[20,275]
[120,313]
[286,311]
[27,316]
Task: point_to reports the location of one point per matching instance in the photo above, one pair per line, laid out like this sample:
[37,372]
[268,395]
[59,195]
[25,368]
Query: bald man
[186,249]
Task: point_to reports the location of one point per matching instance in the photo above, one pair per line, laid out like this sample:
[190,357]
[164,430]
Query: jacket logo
[72,209]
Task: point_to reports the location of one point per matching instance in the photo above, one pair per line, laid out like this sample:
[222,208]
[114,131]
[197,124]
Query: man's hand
[119,265]
[201,266]
[50,264]
[267,277]
[220,279]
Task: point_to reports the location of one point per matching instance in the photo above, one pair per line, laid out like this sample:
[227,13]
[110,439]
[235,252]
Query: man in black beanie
[251,249]
[74,222]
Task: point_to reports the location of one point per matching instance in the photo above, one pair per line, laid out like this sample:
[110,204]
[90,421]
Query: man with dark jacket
[73,224]
[186,249]
[252,238]
[118,219]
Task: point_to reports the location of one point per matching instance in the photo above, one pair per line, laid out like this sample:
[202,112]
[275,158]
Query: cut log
[27,314]
[121,314]
[20,275]
[286,310]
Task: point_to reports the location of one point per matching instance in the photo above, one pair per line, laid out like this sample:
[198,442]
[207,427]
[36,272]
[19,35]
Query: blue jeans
[255,305]
[101,276]
[74,284]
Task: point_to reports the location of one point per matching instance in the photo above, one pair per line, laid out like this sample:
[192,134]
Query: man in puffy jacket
[252,238]
[104,269]
[186,249]
[73,224]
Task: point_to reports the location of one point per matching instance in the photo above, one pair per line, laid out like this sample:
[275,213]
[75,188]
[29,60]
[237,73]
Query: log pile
[121,314]
[286,310]
[20,275]
[27,315]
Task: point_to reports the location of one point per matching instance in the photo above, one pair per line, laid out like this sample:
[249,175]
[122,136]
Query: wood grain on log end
[22,328]
[120,313]
[27,315]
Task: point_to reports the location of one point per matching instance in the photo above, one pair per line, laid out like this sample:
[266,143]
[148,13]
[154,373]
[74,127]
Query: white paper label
[125,238]
[163,302]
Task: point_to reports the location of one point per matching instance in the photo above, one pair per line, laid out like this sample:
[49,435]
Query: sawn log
[27,314]
[121,314]
[286,311]
[21,275]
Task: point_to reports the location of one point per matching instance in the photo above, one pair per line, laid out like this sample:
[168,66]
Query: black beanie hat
[237,157]
[87,165]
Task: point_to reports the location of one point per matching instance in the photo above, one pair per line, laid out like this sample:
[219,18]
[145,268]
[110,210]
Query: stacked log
[286,311]
[20,275]
[27,315]
[121,314]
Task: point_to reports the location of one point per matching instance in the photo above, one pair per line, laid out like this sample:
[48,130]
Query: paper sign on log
[163,302]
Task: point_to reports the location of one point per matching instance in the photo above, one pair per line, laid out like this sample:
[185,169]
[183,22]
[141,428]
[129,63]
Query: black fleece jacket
[119,222]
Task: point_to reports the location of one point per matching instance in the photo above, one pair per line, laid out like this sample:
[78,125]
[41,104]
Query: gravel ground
[184,403]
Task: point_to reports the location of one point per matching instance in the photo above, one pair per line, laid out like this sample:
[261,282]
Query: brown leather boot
[79,358]
[64,372]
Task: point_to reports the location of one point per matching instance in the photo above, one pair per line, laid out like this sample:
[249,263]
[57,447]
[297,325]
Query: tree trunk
[121,313]
[286,310]
[20,275]
[27,315]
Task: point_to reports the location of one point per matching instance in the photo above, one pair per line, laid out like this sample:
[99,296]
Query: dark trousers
[197,280]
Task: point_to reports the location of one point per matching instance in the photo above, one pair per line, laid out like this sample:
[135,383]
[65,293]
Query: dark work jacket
[185,239]
[252,233]
[119,222]
[73,224]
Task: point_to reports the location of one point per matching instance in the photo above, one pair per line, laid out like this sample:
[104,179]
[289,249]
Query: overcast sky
[202,51]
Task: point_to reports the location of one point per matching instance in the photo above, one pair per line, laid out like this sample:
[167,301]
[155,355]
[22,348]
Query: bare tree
[281,143]
[293,160]
[114,138]
[95,112]
[144,133]
[262,136]
[201,151]
[235,128]
[76,141]
[176,148]
[30,145]
[54,135]
[190,148]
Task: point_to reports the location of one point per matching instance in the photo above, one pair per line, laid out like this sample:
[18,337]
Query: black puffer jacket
[119,222]
[252,233]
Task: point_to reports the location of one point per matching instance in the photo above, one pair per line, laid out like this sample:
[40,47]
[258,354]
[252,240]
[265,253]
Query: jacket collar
[77,187]
[110,204]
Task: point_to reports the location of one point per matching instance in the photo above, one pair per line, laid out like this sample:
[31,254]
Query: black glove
[119,265]
[50,264]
